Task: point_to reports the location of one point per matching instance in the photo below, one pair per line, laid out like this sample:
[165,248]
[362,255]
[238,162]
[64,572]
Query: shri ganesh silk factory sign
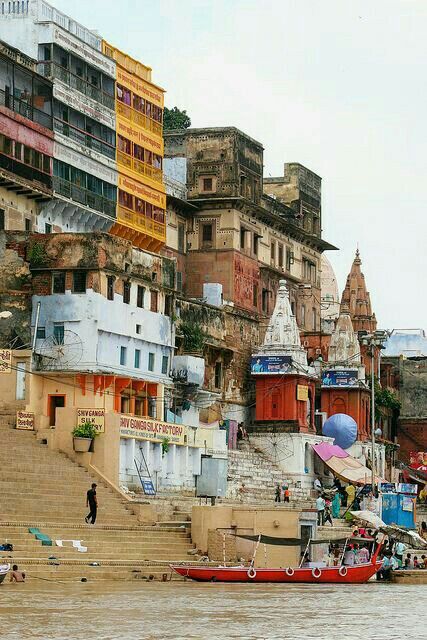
[154,430]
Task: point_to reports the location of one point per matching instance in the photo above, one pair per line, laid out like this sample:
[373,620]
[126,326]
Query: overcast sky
[337,85]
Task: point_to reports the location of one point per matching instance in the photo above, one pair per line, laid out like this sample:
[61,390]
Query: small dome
[330,308]
[342,428]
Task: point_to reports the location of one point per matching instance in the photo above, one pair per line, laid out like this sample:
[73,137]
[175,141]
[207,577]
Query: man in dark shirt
[92,503]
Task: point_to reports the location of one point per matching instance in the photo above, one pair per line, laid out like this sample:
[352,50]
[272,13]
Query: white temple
[282,337]
[344,348]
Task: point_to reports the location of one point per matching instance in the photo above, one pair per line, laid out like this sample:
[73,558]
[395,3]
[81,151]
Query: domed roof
[330,307]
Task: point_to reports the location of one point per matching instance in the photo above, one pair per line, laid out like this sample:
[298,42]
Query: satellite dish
[60,352]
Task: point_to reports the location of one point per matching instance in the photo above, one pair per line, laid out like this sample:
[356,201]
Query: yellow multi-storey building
[141,198]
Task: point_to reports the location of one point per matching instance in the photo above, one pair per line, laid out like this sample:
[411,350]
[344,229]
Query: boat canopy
[296,542]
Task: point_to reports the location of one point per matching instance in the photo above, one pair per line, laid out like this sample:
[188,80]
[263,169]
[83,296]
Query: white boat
[4,570]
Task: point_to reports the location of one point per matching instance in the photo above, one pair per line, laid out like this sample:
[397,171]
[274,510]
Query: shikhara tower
[284,396]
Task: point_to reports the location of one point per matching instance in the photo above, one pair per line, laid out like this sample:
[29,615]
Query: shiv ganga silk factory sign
[154,430]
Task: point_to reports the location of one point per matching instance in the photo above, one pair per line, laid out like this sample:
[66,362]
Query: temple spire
[356,297]
[282,336]
[344,348]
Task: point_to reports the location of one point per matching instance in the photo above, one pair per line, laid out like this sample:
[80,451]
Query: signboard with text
[302,392]
[340,378]
[418,460]
[154,430]
[271,365]
[95,416]
[25,420]
[5,360]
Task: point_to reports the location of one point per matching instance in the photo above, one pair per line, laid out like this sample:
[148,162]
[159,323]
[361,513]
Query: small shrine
[344,390]
[285,384]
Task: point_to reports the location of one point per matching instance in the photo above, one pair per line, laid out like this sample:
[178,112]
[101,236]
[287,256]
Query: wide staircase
[253,478]
[43,489]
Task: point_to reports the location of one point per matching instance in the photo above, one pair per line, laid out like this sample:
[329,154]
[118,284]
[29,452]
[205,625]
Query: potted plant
[83,435]
[194,338]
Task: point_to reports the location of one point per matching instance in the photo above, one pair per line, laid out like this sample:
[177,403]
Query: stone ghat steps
[75,573]
[52,502]
[95,531]
[153,554]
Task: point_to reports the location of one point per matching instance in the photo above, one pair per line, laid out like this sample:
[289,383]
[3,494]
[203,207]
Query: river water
[178,610]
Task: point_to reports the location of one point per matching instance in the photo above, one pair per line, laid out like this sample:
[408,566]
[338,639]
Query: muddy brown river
[130,611]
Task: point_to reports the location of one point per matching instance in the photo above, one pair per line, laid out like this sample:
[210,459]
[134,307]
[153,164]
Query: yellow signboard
[302,392]
[25,420]
[144,89]
[156,198]
[95,416]
[153,430]
[5,360]
[139,135]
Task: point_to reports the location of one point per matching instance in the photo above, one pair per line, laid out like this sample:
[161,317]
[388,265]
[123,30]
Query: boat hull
[327,575]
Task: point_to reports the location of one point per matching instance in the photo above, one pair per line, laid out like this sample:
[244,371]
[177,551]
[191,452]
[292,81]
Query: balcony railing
[139,118]
[51,69]
[83,138]
[85,197]
[141,223]
[139,167]
[25,109]
[25,171]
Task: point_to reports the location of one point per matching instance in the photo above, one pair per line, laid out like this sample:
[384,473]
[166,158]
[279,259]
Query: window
[138,329]
[126,291]
[265,300]
[137,362]
[256,242]
[242,237]
[302,315]
[179,280]
[207,233]
[289,258]
[273,252]
[140,296]
[293,307]
[165,365]
[181,237]
[110,287]
[207,184]
[58,282]
[47,228]
[168,305]
[151,362]
[314,319]
[308,270]
[154,303]
[255,295]
[280,255]
[79,281]
[27,224]
[218,375]
[123,354]
[1,219]
[58,333]
[41,333]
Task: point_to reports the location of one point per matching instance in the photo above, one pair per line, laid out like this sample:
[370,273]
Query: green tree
[175,119]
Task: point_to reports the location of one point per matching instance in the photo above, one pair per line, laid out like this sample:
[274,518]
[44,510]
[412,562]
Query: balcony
[84,139]
[53,71]
[141,223]
[140,167]
[25,109]
[25,171]
[84,197]
[139,118]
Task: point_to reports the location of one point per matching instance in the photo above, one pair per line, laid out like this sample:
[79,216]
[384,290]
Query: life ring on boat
[289,571]
[316,572]
[342,571]
[251,573]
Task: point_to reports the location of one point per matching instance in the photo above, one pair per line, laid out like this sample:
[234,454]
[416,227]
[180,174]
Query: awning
[343,465]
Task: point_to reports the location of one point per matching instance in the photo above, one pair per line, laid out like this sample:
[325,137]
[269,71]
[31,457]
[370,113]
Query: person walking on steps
[92,503]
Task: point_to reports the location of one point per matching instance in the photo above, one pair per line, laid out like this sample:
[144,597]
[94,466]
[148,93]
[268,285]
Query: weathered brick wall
[15,290]
[217,542]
